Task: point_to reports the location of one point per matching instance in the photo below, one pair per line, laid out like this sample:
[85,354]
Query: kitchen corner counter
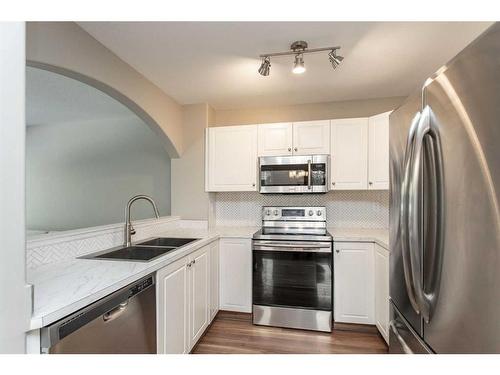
[379,236]
[64,287]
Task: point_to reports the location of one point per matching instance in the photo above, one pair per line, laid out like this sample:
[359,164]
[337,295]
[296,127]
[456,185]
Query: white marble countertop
[236,232]
[67,286]
[379,236]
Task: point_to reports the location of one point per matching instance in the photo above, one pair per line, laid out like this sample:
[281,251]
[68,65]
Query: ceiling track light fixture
[299,48]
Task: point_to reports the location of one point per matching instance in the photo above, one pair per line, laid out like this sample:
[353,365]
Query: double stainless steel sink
[143,251]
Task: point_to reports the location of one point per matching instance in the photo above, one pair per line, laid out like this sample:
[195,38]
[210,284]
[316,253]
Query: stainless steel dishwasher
[123,322]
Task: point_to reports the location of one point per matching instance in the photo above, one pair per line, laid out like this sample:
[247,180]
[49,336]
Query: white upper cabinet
[232,158]
[299,138]
[382,291]
[378,152]
[275,139]
[311,137]
[349,154]
[354,300]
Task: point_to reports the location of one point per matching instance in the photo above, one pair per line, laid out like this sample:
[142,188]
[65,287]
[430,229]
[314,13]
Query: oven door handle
[317,248]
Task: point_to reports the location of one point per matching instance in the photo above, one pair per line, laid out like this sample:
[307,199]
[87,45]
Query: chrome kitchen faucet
[129,229]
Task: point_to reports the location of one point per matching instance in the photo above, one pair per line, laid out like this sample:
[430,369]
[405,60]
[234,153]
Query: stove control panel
[285,213]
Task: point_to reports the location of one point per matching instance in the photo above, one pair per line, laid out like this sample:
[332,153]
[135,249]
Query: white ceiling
[217,62]
[53,99]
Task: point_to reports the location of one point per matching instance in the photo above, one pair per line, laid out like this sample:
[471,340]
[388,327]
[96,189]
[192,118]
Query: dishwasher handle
[116,312]
[108,308]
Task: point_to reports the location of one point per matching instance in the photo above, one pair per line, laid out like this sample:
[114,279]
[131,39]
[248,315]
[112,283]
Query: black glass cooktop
[136,253]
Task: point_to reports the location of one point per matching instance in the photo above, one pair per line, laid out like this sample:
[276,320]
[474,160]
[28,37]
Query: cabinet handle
[370,183]
[333,183]
[337,251]
[253,184]
[194,261]
[289,149]
[296,149]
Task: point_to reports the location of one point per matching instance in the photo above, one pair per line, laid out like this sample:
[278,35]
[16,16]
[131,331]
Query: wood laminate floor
[234,333]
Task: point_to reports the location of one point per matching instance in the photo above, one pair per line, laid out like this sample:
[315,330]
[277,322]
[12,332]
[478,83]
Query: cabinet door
[199,302]
[214,279]
[232,158]
[173,310]
[349,154]
[382,291]
[354,289]
[275,139]
[236,274]
[311,137]
[378,152]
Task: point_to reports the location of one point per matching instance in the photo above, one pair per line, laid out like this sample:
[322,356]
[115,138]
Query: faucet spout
[128,225]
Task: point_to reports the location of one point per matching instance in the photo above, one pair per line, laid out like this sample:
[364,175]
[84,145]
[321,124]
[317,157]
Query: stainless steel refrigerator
[444,208]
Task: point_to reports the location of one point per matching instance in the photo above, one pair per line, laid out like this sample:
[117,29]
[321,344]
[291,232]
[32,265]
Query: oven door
[293,274]
[293,174]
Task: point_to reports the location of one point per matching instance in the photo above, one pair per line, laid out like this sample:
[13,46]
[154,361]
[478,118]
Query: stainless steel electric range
[293,269]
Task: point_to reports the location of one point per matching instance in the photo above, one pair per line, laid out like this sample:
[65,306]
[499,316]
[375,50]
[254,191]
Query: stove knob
[319,213]
[275,212]
[311,212]
[268,212]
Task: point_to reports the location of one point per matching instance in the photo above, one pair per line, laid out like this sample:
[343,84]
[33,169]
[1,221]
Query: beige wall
[189,199]
[65,48]
[305,112]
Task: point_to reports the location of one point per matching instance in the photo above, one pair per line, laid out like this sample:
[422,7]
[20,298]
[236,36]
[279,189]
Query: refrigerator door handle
[402,342]
[426,300]
[404,223]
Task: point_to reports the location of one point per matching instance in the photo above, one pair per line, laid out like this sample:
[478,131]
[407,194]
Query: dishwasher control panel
[140,286]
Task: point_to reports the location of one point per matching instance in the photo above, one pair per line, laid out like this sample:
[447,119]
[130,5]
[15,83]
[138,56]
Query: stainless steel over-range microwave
[293,174]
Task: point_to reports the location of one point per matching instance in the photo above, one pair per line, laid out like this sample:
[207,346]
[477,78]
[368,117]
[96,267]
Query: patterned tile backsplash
[345,209]
[46,249]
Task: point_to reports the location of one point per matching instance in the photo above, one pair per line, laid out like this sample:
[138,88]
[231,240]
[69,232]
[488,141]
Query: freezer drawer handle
[117,311]
[403,343]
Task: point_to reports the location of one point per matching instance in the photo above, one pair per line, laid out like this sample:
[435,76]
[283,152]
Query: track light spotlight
[264,67]
[335,60]
[298,66]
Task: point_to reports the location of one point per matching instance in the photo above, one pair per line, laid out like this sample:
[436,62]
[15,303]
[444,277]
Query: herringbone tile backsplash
[345,209]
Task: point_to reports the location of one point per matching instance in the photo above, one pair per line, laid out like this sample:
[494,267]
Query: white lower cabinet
[183,302]
[173,308]
[382,291]
[214,279]
[236,274]
[199,297]
[354,300]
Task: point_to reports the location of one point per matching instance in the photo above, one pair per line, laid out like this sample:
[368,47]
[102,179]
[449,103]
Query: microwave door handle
[309,174]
